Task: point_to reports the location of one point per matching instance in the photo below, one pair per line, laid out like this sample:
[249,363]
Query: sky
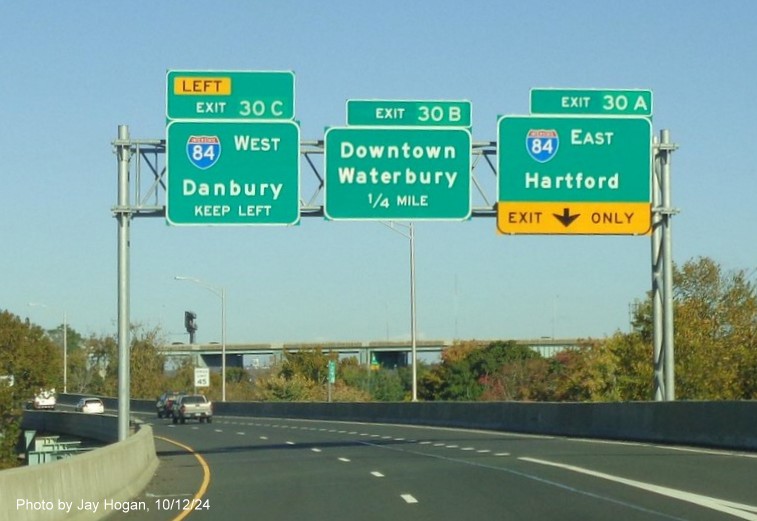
[72,72]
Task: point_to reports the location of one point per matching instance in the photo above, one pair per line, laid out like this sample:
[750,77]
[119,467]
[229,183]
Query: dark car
[165,403]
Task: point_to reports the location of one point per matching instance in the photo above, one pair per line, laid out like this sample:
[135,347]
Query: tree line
[715,344]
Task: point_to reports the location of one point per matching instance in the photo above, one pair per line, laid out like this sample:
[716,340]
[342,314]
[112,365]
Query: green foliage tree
[633,360]
[468,370]
[147,375]
[310,364]
[28,354]
[280,388]
[73,338]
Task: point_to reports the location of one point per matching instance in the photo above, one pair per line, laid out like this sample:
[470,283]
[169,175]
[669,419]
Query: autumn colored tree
[716,348]
[94,367]
[528,379]
[468,369]
[715,322]
[311,364]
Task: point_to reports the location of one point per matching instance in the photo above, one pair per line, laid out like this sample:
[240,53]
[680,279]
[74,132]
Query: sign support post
[123,215]
[667,267]
[662,272]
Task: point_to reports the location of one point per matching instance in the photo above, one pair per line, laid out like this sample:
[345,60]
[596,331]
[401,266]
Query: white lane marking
[502,454]
[345,460]
[352,432]
[399,439]
[290,443]
[386,437]
[739,510]
[468,448]
[264,437]
[240,433]
[452,446]
[315,449]
[483,451]
[425,443]
[408,498]
[377,474]
[709,452]
[438,444]
[531,477]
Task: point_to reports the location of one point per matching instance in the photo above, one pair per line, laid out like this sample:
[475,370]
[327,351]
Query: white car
[90,406]
[44,399]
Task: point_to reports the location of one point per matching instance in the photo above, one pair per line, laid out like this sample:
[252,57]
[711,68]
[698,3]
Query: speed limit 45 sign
[202,377]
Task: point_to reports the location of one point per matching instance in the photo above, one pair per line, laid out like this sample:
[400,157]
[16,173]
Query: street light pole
[65,353]
[413,322]
[221,293]
[65,343]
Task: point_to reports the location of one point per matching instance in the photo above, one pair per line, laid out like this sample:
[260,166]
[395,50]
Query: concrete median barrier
[89,486]
[729,425]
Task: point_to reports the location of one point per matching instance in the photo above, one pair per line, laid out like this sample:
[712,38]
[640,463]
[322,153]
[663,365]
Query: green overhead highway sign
[230,95]
[397,173]
[402,113]
[599,102]
[550,167]
[233,172]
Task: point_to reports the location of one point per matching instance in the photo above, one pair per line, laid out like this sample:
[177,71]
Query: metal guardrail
[42,449]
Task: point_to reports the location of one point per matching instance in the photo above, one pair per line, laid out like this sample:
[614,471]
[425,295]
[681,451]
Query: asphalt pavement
[275,469]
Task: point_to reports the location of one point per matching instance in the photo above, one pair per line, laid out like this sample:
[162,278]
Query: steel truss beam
[149,178]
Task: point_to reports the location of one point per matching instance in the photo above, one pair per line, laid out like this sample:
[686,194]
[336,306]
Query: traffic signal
[190,323]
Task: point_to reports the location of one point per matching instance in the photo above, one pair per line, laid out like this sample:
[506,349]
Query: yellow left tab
[201,86]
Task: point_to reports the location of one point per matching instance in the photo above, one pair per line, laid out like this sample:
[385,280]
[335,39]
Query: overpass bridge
[384,352]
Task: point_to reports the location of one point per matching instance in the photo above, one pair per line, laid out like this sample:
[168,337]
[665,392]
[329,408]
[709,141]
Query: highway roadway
[275,469]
